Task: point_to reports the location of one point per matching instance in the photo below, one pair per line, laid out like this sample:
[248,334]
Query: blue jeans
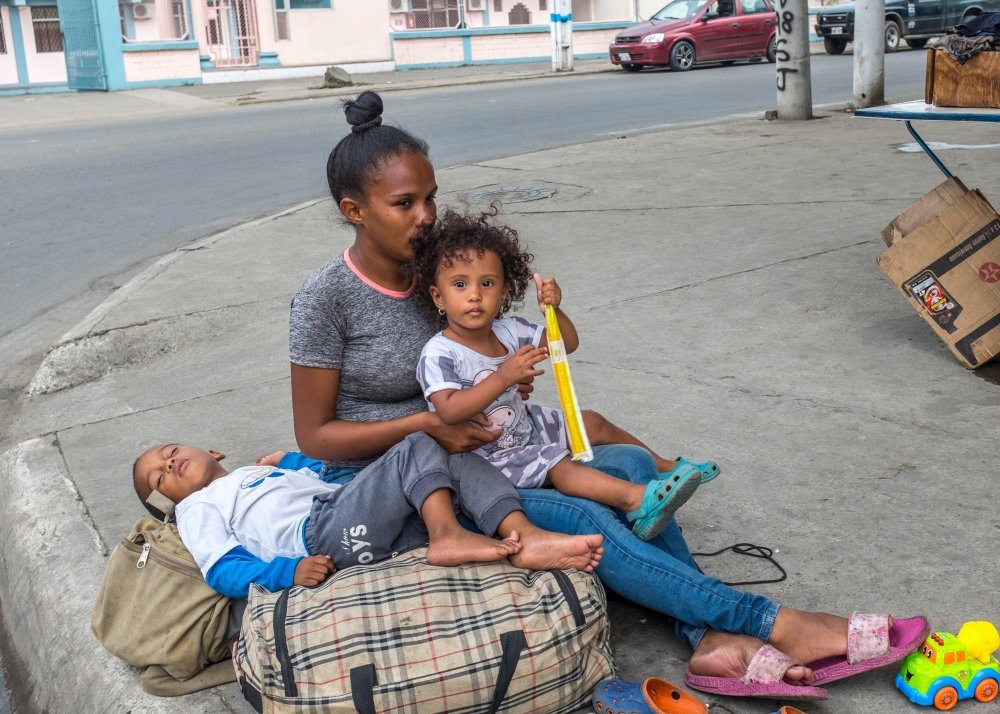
[659,574]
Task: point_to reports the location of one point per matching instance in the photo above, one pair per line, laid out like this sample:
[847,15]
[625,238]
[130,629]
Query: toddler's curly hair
[455,234]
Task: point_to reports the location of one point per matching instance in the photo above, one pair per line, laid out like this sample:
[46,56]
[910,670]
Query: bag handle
[512,644]
[362,686]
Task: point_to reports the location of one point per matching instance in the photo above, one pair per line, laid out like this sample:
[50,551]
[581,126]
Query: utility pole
[792,60]
[869,53]
[635,11]
[561,26]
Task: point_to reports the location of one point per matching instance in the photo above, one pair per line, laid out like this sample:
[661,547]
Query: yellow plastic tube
[579,444]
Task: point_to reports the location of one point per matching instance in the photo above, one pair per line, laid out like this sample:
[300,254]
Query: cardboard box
[923,210]
[973,84]
[944,257]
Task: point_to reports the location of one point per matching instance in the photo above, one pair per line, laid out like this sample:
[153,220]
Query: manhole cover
[510,194]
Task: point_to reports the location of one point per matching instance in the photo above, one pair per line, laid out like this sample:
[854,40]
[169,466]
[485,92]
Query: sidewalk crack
[164,405]
[729,275]
[813,402]
[88,518]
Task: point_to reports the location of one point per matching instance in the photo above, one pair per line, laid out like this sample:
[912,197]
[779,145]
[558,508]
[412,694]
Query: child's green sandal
[708,469]
[662,499]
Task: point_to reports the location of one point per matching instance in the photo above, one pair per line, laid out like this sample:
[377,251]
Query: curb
[86,353]
[360,86]
[47,606]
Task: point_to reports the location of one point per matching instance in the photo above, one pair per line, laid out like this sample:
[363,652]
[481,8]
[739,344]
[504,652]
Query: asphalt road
[84,207]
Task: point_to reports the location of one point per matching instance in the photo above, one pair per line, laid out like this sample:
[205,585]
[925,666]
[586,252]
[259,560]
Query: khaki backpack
[155,611]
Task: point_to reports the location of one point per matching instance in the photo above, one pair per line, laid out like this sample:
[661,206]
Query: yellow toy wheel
[945,698]
[986,691]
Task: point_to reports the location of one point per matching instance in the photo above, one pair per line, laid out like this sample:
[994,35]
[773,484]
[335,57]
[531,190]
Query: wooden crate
[973,84]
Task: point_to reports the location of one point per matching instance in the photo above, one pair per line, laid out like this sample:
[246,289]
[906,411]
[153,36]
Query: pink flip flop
[871,644]
[762,679]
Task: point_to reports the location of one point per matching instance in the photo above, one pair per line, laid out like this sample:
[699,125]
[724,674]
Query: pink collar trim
[372,284]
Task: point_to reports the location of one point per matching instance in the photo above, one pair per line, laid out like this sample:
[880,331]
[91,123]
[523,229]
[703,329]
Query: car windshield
[679,10]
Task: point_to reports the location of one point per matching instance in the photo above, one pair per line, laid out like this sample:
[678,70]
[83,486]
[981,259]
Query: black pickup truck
[914,21]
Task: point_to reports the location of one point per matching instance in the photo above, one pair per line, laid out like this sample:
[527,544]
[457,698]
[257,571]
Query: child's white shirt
[532,438]
[261,508]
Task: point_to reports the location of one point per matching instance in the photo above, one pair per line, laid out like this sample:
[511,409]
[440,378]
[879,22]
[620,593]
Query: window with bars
[45,22]
[139,23]
[497,5]
[429,14]
[519,15]
[543,5]
[3,39]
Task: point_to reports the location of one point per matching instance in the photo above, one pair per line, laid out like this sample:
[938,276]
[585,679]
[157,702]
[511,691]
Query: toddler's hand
[548,292]
[312,570]
[272,459]
[521,365]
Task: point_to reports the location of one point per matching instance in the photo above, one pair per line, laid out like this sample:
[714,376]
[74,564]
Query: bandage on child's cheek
[579,444]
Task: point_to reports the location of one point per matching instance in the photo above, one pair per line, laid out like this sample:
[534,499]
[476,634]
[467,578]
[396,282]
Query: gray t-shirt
[341,320]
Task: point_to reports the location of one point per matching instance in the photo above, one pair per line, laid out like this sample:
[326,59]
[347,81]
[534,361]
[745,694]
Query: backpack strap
[161,503]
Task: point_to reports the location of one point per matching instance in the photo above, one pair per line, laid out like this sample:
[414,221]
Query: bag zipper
[168,560]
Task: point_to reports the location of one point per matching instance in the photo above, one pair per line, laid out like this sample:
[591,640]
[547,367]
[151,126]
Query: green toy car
[944,671]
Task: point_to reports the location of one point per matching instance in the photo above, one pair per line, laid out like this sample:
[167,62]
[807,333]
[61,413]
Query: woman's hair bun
[364,112]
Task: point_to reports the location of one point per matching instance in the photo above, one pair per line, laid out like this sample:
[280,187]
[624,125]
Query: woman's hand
[521,365]
[460,438]
[312,570]
[548,292]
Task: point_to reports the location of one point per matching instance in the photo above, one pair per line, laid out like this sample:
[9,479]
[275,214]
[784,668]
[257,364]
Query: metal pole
[635,11]
[794,79]
[555,33]
[561,28]
[869,53]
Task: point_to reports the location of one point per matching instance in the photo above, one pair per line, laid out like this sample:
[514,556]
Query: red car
[689,32]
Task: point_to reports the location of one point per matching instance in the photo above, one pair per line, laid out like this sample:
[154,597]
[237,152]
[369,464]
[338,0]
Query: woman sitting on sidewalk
[356,333]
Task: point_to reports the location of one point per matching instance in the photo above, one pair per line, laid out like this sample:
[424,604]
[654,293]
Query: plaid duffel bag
[405,636]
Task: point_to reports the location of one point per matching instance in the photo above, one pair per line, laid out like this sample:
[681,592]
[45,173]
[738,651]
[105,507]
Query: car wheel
[682,56]
[772,49]
[986,691]
[945,698]
[631,67]
[892,35]
[834,45]
[916,43]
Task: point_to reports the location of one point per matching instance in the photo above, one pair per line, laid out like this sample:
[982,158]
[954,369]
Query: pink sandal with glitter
[871,643]
[764,678]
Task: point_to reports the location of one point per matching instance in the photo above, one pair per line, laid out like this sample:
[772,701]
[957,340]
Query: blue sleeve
[232,573]
[295,460]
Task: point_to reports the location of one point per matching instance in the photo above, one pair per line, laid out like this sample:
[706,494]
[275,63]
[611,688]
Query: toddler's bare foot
[720,654]
[272,459]
[459,546]
[544,550]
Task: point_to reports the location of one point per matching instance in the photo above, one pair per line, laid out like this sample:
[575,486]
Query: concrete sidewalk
[723,281]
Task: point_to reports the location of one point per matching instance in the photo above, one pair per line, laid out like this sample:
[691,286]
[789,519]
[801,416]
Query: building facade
[54,45]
